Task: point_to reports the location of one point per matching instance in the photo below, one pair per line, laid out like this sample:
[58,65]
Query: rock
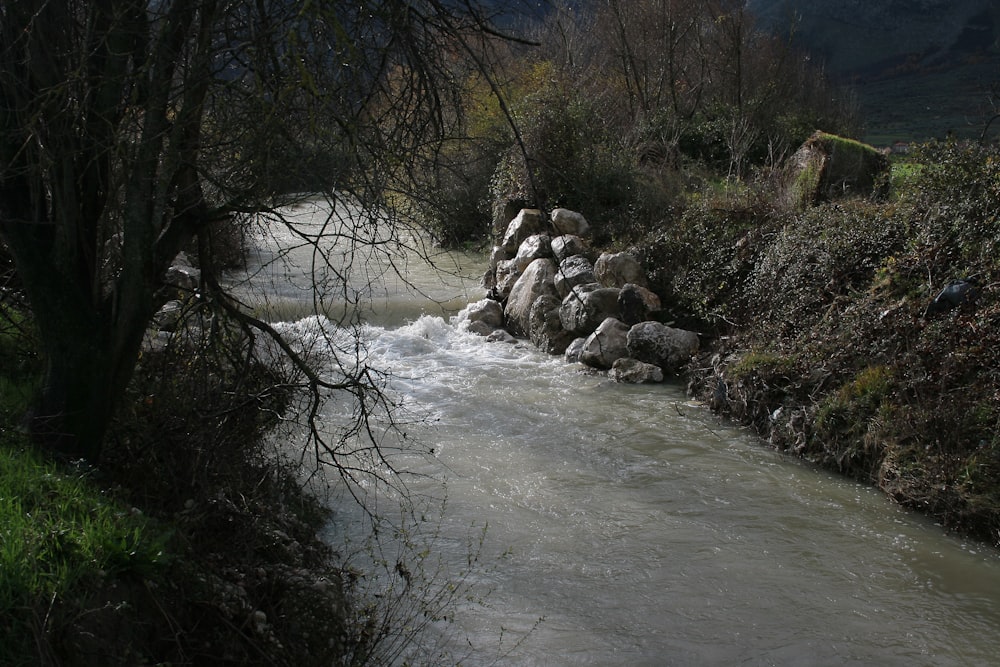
[182,274]
[534,247]
[634,371]
[536,280]
[827,167]
[664,346]
[168,316]
[500,336]
[617,269]
[586,306]
[529,221]
[497,255]
[572,354]
[566,221]
[545,328]
[954,294]
[503,215]
[635,303]
[606,345]
[506,275]
[481,317]
[573,271]
[568,245]
[479,328]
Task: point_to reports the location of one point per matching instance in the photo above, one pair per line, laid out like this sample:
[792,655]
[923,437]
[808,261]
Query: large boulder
[827,167]
[565,221]
[634,371]
[635,303]
[664,346]
[619,268]
[482,317]
[544,327]
[586,306]
[568,245]
[534,247]
[533,283]
[529,221]
[573,271]
[606,345]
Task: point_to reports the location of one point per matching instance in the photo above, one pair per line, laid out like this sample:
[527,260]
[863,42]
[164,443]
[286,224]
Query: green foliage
[958,190]
[823,254]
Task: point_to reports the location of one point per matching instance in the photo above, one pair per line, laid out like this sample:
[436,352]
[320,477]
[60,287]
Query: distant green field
[931,104]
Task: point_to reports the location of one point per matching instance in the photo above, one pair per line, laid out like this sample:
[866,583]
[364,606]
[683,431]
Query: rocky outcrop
[600,314]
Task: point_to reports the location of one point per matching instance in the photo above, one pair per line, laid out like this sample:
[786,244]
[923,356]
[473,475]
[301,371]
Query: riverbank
[827,336]
[190,543]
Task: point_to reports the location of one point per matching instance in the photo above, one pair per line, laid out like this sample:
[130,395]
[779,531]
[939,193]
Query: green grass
[59,539]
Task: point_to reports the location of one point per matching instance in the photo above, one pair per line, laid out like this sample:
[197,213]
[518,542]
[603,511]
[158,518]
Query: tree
[131,129]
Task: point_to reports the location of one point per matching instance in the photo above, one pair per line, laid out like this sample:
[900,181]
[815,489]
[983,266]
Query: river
[626,525]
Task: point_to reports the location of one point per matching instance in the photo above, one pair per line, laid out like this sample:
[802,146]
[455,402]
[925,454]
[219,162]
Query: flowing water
[625,525]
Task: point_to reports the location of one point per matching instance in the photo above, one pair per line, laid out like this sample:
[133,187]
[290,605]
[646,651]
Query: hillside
[921,69]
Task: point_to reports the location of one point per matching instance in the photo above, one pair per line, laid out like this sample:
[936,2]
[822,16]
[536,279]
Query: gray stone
[168,316]
[664,346]
[536,280]
[529,221]
[566,221]
[573,271]
[501,336]
[568,245]
[635,303]
[545,328]
[633,371]
[506,275]
[572,354]
[479,328]
[586,306]
[534,247]
[182,274]
[617,269]
[485,311]
[606,345]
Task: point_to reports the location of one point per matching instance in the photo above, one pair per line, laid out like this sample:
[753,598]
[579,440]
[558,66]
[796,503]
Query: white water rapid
[625,525]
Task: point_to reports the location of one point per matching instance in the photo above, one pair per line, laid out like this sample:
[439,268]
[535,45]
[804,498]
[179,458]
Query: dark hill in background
[922,68]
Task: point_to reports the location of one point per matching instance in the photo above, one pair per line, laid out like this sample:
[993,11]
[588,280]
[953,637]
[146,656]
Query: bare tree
[130,129]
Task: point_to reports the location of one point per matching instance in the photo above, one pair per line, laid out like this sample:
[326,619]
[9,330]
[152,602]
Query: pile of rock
[544,284]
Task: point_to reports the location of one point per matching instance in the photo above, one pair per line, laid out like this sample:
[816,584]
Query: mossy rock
[829,167]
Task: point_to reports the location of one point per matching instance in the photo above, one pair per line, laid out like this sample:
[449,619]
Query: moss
[761,363]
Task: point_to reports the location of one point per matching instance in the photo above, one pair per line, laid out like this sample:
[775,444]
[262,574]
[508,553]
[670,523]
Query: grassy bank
[190,544]
[823,337]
